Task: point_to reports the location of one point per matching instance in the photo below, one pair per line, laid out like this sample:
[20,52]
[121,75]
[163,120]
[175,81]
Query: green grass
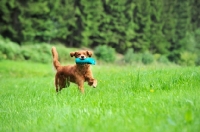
[127,99]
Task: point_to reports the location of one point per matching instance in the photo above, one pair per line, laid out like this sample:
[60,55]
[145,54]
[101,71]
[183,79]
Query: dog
[78,73]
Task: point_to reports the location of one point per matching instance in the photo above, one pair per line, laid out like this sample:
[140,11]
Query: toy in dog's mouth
[85,61]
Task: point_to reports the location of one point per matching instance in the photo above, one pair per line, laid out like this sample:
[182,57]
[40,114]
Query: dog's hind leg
[67,82]
[57,83]
[60,82]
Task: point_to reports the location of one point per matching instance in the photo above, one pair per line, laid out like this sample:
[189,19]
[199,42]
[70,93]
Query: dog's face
[81,54]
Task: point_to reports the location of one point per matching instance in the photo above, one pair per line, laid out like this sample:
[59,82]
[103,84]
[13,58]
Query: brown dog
[78,73]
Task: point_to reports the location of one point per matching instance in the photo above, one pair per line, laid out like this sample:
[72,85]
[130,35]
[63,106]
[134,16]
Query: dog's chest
[83,69]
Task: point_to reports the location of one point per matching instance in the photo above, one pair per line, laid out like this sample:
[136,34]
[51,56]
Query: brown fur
[78,73]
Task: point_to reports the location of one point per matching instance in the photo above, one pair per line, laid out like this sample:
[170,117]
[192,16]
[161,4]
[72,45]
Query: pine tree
[36,20]
[131,26]
[115,25]
[9,22]
[158,42]
[143,21]
[169,20]
[182,16]
[90,15]
[195,20]
[63,16]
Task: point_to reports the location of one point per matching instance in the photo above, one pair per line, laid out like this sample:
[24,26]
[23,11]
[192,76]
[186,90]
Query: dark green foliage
[182,16]
[158,42]
[142,18]
[9,50]
[195,20]
[37,53]
[40,52]
[89,20]
[129,56]
[147,58]
[158,26]
[163,59]
[105,53]
[194,44]
[64,53]
[40,20]
[188,59]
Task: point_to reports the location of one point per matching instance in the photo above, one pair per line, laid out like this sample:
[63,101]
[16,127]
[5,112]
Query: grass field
[127,99]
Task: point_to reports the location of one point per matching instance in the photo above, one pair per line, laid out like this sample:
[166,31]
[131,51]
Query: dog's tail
[56,63]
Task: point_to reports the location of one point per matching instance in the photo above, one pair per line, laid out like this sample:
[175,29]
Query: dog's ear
[72,54]
[89,53]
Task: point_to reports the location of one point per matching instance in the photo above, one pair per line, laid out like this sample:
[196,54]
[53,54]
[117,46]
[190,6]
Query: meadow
[127,98]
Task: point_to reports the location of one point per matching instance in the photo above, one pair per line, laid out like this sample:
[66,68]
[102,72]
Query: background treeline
[169,28]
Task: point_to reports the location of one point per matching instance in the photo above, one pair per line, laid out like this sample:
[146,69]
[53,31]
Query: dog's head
[81,54]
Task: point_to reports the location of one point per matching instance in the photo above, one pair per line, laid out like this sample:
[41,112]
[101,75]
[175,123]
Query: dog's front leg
[92,82]
[81,86]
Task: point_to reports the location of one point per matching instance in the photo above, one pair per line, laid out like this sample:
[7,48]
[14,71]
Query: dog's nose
[82,57]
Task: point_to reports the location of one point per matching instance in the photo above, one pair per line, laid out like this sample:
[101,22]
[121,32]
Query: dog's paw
[94,84]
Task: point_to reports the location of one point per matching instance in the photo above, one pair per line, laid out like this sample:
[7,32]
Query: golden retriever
[78,73]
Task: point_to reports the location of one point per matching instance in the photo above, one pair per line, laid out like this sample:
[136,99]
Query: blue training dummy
[85,61]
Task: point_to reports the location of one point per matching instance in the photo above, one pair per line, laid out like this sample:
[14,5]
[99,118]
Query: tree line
[167,27]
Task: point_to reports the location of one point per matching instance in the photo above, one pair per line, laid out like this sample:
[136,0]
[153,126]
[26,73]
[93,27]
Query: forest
[169,28]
